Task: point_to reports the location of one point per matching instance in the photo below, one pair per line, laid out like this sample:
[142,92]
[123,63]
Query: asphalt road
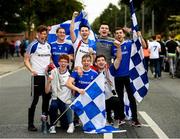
[159,112]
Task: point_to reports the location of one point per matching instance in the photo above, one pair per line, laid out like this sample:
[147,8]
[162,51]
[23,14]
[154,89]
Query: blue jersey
[123,69]
[58,49]
[84,80]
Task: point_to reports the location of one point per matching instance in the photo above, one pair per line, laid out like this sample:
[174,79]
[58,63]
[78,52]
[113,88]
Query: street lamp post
[125,16]
[152,22]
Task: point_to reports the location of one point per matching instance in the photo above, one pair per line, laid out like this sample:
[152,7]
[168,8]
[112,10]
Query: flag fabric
[90,107]
[138,75]
[127,109]
[81,19]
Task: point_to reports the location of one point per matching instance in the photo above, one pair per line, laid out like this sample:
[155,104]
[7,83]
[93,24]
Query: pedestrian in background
[172,50]
[154,49]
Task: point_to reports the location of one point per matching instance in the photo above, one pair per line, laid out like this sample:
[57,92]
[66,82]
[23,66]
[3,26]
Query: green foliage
[111,16]
[162,11]
[20,15]
[10,18]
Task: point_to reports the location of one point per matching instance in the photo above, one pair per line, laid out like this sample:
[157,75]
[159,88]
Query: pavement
[10,64]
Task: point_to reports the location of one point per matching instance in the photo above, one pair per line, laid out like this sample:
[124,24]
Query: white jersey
[80,49]
[59,88]
[40,55]
[154,47]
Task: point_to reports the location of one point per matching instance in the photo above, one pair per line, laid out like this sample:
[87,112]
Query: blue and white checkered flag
[81,19]
[138,75]
[90,108]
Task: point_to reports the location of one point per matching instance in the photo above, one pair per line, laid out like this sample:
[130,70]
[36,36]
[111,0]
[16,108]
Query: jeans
[66,119]
[172,63]
[155,67]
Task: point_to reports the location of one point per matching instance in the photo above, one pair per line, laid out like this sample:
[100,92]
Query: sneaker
[121,122]
[71,128]
[116,123]
[136,123]
[32,128]
[52,130]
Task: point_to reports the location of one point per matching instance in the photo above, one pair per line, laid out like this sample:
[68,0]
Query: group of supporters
[162,56]
[12,48]
[61,71]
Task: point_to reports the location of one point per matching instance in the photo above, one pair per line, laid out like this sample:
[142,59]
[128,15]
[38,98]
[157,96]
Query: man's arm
[118,54]
[48,85]
[72,34]
[70,85]
[28,64]
[142,39]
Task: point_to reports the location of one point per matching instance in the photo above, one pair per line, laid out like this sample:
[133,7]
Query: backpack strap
[79,44]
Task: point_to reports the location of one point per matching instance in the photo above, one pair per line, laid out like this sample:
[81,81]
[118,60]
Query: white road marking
[10,73]
[153,125]
[110,135]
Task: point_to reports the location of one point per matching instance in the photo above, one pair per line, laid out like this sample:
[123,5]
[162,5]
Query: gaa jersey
[123,69]
[84,80]
[80,49]
[58,49]
[40,55]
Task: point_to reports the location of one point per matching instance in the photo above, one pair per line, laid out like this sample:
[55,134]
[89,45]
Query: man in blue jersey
[36,59]
[82,81]
[122,75]
[61,46]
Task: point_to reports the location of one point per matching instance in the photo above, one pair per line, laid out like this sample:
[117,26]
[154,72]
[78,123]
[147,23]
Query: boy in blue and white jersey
[81,46]
[61,46]
[37,58]
[81,82]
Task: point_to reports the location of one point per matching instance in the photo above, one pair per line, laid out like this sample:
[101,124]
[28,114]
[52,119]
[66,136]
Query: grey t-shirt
[105,46]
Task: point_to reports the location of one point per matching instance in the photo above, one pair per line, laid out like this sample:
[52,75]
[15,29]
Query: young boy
[61,95]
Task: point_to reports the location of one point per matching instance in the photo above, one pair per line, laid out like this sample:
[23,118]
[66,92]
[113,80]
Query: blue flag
[138,75]
[81,19]
[90,108]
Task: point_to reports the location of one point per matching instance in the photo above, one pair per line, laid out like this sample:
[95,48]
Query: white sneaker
[52,130]
[116,123]
[71,128]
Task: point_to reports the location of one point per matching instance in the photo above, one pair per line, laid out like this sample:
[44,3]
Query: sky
[95,7]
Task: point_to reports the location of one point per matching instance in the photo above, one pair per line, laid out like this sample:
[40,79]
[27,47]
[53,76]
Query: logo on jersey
[92,77]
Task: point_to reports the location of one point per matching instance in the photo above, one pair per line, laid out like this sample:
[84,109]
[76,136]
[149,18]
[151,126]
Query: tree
[10,18]
[162,11]
[21,15]
[109,16]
